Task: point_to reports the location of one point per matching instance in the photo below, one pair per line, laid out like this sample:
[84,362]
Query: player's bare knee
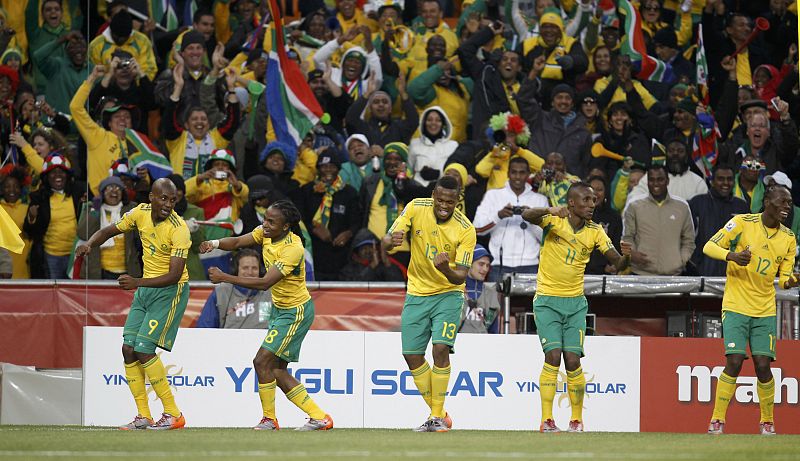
[441,355]
[763,369]
[414,361]
[733,365]
[128,354]
[553,357]
[571,361]
[144,357]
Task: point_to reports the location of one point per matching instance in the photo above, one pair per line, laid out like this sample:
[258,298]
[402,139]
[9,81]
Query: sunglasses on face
[754,165]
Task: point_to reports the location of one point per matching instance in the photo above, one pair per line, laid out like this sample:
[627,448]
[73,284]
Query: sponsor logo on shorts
[731,344]
[544,340]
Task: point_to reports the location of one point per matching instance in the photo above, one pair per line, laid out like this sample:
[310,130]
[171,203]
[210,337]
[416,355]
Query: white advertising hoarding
[361,379]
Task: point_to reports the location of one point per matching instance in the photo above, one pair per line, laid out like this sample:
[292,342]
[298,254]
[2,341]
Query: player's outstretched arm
[266,282]
[228,243]
[172,277]
[97,239]
[535,215]
[713,250]
[620,261]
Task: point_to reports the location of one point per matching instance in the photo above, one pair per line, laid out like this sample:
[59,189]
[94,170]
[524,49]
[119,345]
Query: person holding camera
[221,196]
[126,82]
[553,180]
[512,242]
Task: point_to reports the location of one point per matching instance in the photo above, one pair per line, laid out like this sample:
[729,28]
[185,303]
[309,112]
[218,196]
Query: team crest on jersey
[435,233]
[731,224]
[446,247]
[584,251]
[557,239]
[164,247]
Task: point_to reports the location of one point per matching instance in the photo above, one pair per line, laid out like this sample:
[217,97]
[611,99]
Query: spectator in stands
[748,184]
[191,73]
[560,129]
[43,141]
[333,100]
[232,306]
[440,86]
[564,56]
[610,220]
[262,194]
[710,213]
[277,161]
[370,263]
[231,15]
[683,182]
[625,179]
[471,192]
[106,141]
[514,243]
[621,137]
[190,138]
[481,299]
[53,218]
[776,154]
[360,68]
[203,21]
[128,84]
[668,50]
[660,228]
[30,113]
[510,136]
[51,30]
[311,35]
[6,264]
[62,71]
[600,67]
[428,153]
[620,85]
[431,24]
[118,255]
[591,112]
[221,196]
[383,196]
[191,214]
[553,180]
[120,35]
[331,213]
[359,167]
[371,116]
[13,184]
[497,78]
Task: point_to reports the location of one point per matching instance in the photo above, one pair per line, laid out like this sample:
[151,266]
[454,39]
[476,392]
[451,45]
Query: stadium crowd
[516,99]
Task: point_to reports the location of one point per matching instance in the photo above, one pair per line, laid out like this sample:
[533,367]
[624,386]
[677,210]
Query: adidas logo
[765,247]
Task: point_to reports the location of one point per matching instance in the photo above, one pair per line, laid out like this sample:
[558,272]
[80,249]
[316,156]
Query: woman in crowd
[428,153]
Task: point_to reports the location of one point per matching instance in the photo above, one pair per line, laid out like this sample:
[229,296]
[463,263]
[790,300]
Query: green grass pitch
[79,443]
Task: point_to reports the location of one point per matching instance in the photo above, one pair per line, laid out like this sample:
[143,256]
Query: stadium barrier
[633,384]
[637,286]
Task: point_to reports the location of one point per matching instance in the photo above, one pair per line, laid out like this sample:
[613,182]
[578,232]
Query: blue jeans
[496,275]
[56,266]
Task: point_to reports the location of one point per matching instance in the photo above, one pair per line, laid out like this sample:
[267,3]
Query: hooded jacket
[355,88]
[423,152]
[453,99]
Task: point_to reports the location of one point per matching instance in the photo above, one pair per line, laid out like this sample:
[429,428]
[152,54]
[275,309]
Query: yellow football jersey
[289,257]
[565,253]
[160,242]
[428,238]
[750,290]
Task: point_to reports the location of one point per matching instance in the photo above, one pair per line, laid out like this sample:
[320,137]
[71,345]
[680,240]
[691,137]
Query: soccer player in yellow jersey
[281,242]
[159,302]
[442,241]
[758,249]
[559,307]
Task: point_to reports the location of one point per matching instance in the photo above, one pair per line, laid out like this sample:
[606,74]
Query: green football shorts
[287,329]
[154,317]
[738,330]
[426,318]
[561,322]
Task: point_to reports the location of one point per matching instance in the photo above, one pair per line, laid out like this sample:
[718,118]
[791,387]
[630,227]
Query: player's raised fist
[441,261]
[794,280]
[215,274]
[741,258]
[205,247]
[397,238]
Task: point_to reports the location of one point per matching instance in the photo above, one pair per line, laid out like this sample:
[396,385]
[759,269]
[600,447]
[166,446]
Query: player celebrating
[159,302]
[442,240]
[559,306]
[758,248]
[282,248]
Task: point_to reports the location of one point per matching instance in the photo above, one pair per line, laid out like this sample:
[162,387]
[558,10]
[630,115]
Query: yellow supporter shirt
[456,236]
[565,253]
[63,226]
[19,263]
[112,259]
[750,290]
[160,242]
[288,256]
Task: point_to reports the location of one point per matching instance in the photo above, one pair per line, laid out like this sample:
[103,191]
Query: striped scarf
[196,156]
[323,214]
